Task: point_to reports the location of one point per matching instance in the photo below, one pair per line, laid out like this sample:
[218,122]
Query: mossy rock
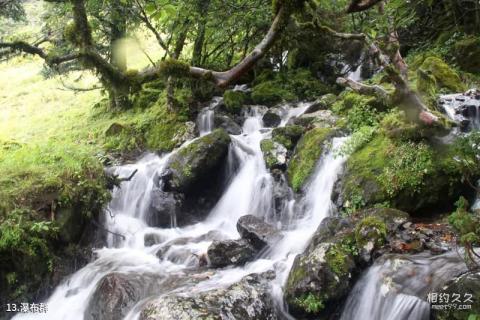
[445,76]
[370,230]
[270,93]
[288,136]
[319,277]
[426,83]
[198,161]
[306,155]
[234,101]
[274,153]
[413,177]
[467,53]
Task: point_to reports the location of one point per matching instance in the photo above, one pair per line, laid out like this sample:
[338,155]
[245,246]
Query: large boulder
[247,299]
[257,232]
[339,250]
[197,162]
[230,252]
[305,157]
[414,177]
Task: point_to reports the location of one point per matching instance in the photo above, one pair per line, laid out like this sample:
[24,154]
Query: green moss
[408,175]
[370,229]
[270,93]
[395,125]
[445,77]
[174,68]
[267,146]
[288,136]
[338,260]
[272,88]
[426,83]
[234,101]
[467,53]
[306,155]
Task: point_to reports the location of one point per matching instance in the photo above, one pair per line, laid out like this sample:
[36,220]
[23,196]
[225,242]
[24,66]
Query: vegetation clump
[234,101]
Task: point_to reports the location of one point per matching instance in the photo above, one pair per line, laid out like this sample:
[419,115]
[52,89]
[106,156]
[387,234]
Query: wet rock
[465,288]
[226,123]
[323,103]
[271,119]
[151,239]
[319,276]
[198,161]
[116,294]
[230,252]
[188,134]
[281,193]
[257,232]
[288,136]
[274,153]
[317,119]
[165,205]
[247,299]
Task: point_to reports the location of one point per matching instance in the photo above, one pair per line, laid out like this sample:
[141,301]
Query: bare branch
[361,5]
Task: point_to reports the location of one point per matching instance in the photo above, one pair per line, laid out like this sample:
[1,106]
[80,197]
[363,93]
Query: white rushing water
[249,192]
[397,286]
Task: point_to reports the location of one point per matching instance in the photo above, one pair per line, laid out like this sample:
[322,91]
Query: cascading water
[176,252]
[206,117]
[463,108]
[396,287]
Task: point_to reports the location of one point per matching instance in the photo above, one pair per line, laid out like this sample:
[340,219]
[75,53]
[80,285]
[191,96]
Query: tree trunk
[202,6]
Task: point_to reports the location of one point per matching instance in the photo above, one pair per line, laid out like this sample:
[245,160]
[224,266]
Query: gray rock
[322,103]
[247,299]
[317,119]
[257,232]
[271,119]
[230,252]
[226,123]
[117,293]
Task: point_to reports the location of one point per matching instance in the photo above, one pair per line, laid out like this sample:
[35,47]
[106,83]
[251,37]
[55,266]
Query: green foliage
[272,88]
[312,303]
[396,126]
[270,93]
[234,101]
[307,153]
[467,226]
[409,164]
[467,150]
[360,110]
[357,140]
[467,53]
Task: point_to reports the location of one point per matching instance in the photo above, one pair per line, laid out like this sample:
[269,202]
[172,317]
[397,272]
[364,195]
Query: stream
[249,190]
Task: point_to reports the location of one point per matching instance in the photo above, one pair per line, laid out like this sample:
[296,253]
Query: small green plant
[467,227]
[311,303]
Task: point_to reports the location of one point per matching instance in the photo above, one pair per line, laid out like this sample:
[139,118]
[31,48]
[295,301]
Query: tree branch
[361,5]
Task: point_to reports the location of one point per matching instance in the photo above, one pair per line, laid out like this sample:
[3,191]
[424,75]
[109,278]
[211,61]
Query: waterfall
[176,251]
[463,108]
[397,286]
[206,117]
